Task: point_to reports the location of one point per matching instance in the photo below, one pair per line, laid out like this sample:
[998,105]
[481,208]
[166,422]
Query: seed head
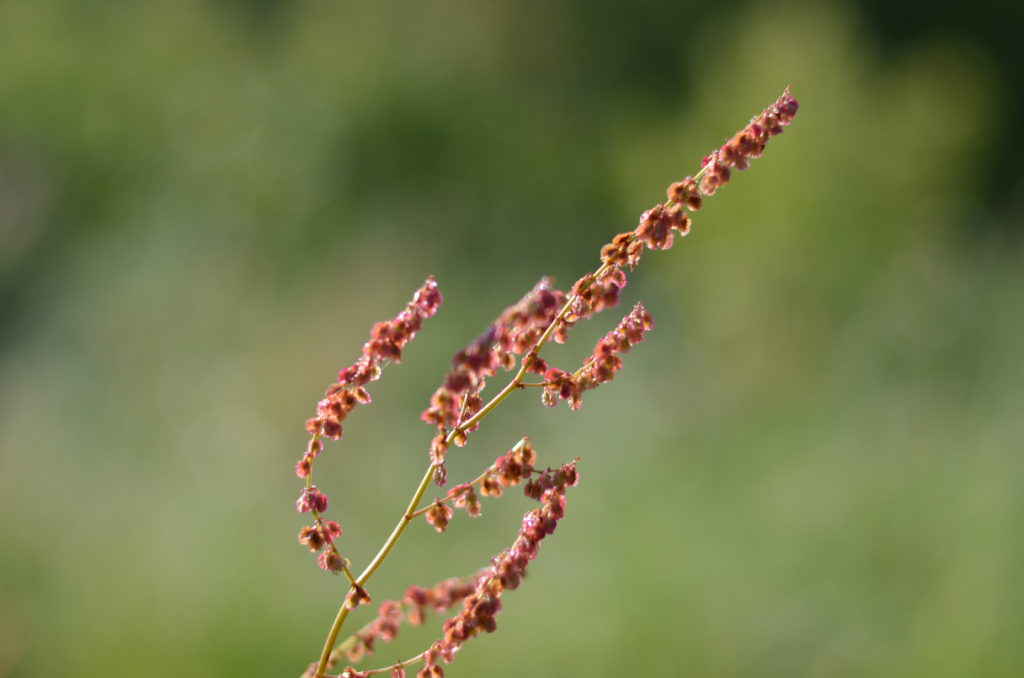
[438,515]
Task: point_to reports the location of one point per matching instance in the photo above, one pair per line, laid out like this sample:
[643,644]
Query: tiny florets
[748,143]
[438,515]
[602,364]
[513,333]
[311,499]
[312,537]
[506,572]
[330,560]
[356,596]
[464,497]
[387,339]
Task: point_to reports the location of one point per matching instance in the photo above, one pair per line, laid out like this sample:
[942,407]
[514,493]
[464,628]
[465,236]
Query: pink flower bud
[329,560]
[311,499]
[438,516]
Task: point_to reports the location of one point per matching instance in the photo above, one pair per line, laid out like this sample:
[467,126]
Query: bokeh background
[812,467]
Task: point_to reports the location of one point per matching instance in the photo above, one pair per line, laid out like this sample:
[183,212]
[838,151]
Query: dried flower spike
[748,143]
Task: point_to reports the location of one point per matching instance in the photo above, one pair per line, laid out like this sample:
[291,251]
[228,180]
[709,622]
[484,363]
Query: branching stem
[411,510]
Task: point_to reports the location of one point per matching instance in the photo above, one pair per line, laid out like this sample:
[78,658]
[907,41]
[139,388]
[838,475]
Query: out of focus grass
[812,467]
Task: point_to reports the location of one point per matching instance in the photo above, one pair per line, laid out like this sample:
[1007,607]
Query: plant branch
[421,489]
[383,669]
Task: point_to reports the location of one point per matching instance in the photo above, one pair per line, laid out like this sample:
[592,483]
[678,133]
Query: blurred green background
[811,468]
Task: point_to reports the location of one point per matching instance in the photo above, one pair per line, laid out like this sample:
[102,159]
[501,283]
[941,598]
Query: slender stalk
[331,637]
[399,528]
[371,568]
[383,669]
[445,500]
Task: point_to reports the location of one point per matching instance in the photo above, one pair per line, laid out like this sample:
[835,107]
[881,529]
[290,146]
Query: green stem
[371,568]
[383,669]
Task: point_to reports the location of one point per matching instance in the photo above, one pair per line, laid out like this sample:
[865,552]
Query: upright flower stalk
[513,342]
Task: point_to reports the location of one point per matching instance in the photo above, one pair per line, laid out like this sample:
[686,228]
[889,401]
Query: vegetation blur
[812,467]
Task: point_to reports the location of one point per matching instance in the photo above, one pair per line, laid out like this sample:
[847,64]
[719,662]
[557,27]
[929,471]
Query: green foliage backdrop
[811,468]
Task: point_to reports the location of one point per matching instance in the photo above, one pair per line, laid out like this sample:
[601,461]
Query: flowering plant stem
[457,408]
[421,489]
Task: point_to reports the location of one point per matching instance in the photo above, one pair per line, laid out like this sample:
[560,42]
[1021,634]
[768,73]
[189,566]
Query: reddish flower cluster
[385,344]
[603,363]
[442,596]
[390,615]
[509,469]
[748,143]
[321,535]
[438,515]
[605,360]
[592,293]
[464,497]
[506,571]
[311,499]
[623,250]
[657,224]
[356,596]
[686,193]
[513,333]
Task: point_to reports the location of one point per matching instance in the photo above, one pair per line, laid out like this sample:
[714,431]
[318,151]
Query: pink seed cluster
[748,143]
[513,333]
[591,294]
[440,597]
[514,467]
[603,363]
[384,345]
[319,535]
[506,572]
[511,468]
[659,225]
[392,613]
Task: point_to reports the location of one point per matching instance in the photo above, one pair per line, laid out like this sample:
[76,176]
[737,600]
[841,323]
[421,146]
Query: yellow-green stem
[384,669]
[371,568]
